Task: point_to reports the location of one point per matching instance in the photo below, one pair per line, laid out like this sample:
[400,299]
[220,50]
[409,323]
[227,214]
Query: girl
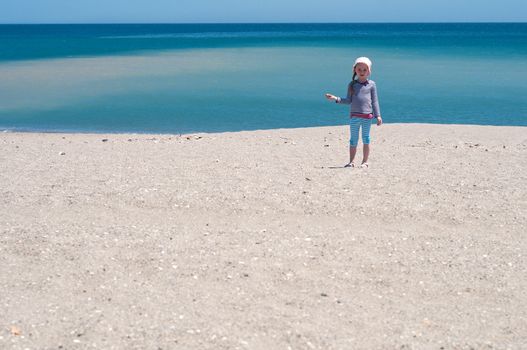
[362,95]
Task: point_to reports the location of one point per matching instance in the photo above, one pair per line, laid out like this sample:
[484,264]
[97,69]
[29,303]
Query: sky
[258,11]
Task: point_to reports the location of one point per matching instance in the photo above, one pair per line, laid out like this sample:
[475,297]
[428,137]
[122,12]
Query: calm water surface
[227,77]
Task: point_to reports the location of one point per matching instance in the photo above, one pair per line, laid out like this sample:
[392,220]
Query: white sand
[261,240]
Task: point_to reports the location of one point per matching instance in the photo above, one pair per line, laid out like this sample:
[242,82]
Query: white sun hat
[364,60]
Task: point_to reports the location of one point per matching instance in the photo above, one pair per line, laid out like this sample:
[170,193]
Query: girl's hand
[331,97]
[379,120]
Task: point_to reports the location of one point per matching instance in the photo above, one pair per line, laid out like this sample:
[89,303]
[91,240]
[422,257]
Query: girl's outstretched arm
[346,100]
[349,96]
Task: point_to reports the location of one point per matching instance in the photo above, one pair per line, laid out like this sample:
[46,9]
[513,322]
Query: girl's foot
[364,165]
[350,165]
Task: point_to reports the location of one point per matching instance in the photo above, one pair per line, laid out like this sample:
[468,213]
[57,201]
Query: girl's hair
[350,86]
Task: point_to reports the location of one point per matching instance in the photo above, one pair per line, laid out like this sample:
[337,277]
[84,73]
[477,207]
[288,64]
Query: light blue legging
[355,125]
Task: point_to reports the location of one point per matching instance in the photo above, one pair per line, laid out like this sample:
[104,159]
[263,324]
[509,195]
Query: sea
[187,78]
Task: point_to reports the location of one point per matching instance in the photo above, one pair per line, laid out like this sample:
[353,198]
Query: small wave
[241,35]
[305,34]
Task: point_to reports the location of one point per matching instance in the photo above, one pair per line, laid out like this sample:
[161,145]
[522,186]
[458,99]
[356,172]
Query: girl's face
[362,71]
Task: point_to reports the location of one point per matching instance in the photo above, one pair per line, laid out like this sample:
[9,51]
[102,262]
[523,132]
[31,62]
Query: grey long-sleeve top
[364,99]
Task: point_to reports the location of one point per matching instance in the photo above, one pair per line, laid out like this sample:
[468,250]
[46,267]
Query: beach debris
[104,140]
[62,153]
[308,179]
[472,145]
[323,295]
[15,330]
[326,145]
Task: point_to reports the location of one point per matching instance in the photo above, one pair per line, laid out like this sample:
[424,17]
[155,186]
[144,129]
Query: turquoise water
[229,77]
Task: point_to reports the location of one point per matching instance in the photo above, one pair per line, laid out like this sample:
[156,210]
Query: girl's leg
[354,137]
[353,152]
[365,154]
[366,126]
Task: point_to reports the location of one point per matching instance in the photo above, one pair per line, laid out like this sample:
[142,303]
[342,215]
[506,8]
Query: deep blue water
[179,78]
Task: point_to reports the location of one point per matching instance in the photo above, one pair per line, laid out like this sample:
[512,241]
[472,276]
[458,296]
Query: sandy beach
[262,240]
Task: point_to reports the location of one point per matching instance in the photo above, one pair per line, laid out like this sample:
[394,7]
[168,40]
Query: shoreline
[73,132]
[261,239]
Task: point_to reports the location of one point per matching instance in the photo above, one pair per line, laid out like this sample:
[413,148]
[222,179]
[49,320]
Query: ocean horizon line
[252,23]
